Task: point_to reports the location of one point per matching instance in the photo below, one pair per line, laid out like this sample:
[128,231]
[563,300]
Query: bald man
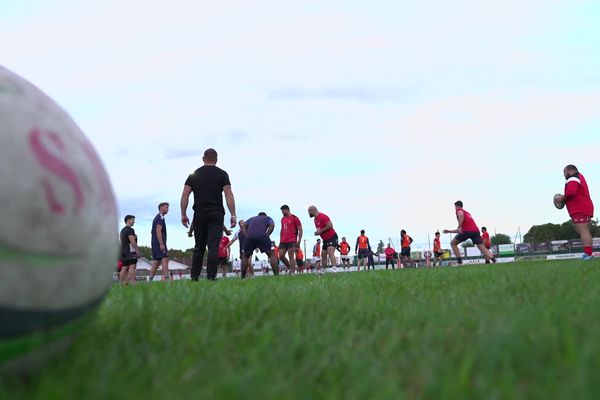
[580,207]
[330,239]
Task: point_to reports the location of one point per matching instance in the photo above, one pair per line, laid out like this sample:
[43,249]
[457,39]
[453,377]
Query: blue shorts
[263,243]
[159,255]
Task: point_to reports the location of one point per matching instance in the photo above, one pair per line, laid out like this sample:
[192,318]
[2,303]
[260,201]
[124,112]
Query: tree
[184,257]
[380,247]
[564,231]
[500,238]
[146,252]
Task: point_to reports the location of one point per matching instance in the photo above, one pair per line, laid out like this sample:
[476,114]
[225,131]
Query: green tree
[380,247]
[564,231]
[501,238]
[544,233]
[146,252]
[184,257]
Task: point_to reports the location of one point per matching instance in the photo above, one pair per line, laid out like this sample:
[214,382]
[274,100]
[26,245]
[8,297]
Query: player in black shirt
[208,183]
[129,251]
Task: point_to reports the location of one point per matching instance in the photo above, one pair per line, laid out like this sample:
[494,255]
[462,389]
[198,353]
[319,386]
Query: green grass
[528,330]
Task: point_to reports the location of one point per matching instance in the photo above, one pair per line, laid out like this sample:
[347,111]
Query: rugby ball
[558,201]
[59,226]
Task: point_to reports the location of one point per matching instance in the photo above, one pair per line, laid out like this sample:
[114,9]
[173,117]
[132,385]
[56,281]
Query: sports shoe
[333,269]
[585,257]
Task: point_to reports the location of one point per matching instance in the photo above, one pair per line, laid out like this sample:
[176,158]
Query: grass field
[527,330]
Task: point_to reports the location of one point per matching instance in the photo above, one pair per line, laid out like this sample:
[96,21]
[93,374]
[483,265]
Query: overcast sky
[382,114]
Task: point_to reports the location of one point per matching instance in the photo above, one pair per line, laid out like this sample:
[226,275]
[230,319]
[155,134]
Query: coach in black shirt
[208,184]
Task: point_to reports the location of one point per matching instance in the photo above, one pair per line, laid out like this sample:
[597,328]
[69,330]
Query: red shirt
[577,196]
[437,246]
[317,250]
[299,254]
[362,242]
[290,225]
[468,224]
[320,221]
[389,253]
[486,239]
[223,253]
[344,248]
[406,240]
[276,251]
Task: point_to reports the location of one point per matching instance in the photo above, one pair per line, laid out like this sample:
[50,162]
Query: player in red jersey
[291,235]
[344,249]
[389,256]
[467,229]
[330,238]
[316,258]
[580,206]
[362,249]
[299,256]
[487,242]
[223,254]
[405,242]
[437,249]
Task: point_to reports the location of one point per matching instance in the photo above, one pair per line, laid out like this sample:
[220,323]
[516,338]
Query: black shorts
[363,253]
[405,252]
[263,243]
[287,245]
[223,260]
[438,254]
[475,236]
[332,241]
[129,261]
[300,263]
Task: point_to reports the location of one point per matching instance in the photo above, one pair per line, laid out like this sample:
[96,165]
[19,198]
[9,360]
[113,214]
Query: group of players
[254,235]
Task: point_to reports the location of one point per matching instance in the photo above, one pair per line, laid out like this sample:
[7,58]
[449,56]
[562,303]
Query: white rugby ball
[558,201]
[58,237]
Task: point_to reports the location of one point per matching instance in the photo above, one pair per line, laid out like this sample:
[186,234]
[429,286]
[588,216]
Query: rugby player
[291,235]
[299,257]
[467,229]
[344,249]
[362,249]
[405,242]
[257,231]
[224,254]
[330,239]
[389,256]
[487,243]
[437,250]
[580,206]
